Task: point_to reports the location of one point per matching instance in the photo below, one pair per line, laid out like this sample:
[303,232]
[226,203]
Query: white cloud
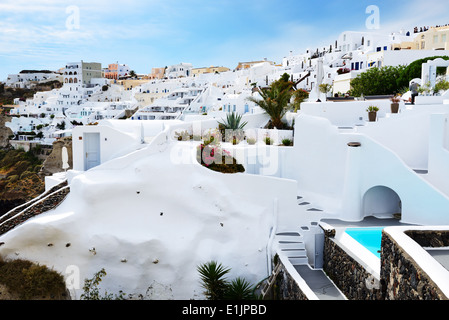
[416,13]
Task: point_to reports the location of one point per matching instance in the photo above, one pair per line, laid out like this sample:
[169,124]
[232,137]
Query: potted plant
[395,104]
[372,113]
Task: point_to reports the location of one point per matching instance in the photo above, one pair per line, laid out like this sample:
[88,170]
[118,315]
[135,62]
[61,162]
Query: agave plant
[212,277]
[233,122]
[232,128]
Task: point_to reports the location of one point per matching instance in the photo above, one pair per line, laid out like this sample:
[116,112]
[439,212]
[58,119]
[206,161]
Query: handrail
[27,210]
[32,201]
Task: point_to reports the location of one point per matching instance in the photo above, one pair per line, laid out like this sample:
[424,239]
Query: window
[435,39]
[385,48]
[443,38]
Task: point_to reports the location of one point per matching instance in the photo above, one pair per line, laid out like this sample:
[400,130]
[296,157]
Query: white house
[110,139]
[179,70]
[26,79]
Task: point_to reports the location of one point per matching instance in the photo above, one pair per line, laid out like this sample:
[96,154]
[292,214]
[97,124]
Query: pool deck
[367,222]
[324,288]
[439,254]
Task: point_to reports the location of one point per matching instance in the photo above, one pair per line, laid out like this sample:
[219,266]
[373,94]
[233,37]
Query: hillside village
[145,198]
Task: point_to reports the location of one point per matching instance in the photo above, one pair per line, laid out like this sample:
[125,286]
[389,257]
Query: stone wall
[402,278]
[286,287]
[50,200]
[282,286]
[350,277]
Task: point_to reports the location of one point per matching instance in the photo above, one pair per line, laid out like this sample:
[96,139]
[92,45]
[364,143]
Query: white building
[26,79]
[179,70]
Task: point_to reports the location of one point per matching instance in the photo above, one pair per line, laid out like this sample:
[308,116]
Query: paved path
[440,255]
[319,283]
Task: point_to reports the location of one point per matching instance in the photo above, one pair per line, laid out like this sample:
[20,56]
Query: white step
[298,261]
[289,238]
[291,245]
[294,253]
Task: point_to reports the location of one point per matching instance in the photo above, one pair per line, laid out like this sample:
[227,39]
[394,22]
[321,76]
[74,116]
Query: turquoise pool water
[370,238]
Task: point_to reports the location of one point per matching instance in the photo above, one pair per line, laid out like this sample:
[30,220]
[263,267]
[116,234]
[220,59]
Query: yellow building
[129,84]
[156,73]
[211,69]
[436,38]
[145,99]
[247,65]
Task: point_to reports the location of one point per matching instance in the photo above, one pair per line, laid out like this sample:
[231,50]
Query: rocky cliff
[4,131]
[19,179]
[53,163]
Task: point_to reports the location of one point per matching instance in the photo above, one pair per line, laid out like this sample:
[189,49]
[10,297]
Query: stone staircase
[43,203]
[291,244]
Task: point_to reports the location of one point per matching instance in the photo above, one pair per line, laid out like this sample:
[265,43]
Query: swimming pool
[370,238]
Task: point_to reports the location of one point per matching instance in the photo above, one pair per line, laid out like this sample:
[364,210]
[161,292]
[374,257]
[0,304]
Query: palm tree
[275,101]
[212,277]
[240,289]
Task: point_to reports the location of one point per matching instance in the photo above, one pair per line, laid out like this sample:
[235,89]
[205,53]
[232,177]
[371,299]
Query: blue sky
[156,33]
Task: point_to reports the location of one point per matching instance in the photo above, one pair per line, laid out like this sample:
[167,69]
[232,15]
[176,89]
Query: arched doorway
[381,201]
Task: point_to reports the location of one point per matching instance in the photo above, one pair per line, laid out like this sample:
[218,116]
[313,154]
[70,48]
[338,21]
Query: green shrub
[26,174]
[13,178]
[92,292]
[251,141]
[414,70]
[31,281]
[378,81]
[442,85]
[267,141]
[211,155]
[287,142]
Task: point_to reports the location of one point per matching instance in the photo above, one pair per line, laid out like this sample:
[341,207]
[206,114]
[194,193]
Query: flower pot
[394,107]
[372,116]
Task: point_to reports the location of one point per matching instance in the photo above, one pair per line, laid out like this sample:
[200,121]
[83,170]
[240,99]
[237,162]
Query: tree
[213,281]
[240,289]
[378,81]
[132,74]
[218,288]
[414,70]
[275,100]
[299,96]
